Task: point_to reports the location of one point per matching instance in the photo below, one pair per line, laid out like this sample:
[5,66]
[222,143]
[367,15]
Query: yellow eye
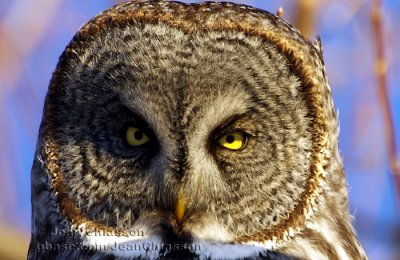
[233,141]
[135,136]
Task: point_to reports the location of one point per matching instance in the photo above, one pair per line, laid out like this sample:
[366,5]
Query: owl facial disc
[177,143]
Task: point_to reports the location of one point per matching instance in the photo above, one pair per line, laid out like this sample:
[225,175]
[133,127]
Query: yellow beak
[180,209]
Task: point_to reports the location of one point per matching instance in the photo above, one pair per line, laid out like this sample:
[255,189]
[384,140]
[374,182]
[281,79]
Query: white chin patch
[154,248]
[215,250]
[137,244]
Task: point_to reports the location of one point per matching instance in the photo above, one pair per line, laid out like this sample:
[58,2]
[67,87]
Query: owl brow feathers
[216,17]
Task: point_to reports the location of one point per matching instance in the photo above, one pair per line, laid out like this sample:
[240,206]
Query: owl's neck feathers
[210,16]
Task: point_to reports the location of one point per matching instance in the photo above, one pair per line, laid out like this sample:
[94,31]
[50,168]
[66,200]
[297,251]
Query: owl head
[185,124]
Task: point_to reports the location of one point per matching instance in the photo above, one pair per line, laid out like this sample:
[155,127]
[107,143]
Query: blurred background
[362,56]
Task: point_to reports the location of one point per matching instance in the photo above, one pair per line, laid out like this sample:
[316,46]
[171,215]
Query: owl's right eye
[136,137]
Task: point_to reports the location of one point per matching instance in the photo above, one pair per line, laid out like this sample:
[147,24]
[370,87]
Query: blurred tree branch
[13,243]
[305,16]
[382,88]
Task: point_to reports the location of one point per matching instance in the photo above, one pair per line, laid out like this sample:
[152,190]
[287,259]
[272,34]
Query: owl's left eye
[233,141]
[136,137]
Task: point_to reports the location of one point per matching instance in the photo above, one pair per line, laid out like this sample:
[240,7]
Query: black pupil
[138,135]
[230,139]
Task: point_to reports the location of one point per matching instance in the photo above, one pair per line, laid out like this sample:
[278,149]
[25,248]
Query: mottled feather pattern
[187,74]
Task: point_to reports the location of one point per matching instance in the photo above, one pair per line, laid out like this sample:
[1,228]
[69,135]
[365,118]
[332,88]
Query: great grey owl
[202,131]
